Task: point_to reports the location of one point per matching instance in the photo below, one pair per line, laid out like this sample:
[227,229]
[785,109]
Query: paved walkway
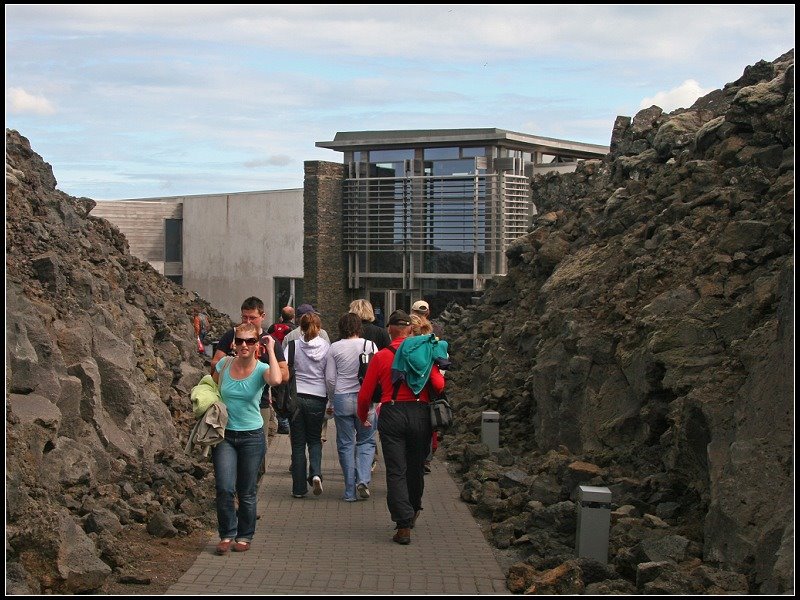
[323,545]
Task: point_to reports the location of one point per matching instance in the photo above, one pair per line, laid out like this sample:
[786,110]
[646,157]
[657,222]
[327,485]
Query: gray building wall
[235,244]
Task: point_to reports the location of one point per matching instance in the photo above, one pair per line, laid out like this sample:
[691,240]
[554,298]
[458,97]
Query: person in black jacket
[370,331]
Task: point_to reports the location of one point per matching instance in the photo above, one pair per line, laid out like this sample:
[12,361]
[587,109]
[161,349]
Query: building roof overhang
[428,138]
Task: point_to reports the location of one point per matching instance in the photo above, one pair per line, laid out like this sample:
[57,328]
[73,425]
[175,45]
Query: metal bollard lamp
[594,522]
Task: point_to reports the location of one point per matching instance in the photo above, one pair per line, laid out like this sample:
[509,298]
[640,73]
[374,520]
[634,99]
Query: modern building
[430,213]
[406,215]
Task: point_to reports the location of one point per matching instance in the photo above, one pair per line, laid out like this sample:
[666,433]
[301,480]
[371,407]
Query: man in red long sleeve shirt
[405,429]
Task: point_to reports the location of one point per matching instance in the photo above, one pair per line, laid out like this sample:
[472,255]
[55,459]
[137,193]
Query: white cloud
[682,96]
[277,160]
[21,102]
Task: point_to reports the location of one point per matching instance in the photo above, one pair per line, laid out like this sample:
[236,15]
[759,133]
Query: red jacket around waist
[380,373]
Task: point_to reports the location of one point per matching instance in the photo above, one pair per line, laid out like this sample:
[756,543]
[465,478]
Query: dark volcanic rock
[645,327]
[100,351]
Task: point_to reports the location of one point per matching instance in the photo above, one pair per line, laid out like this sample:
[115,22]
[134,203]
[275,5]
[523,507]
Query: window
[287,292]
[387,169]
[173,240]
[390,155]
[440,153]
[464,166]
[473,152]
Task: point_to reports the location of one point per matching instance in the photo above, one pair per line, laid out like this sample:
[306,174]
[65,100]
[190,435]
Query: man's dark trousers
[405,434]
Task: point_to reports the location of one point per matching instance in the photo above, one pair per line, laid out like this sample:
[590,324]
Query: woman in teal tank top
[241,380]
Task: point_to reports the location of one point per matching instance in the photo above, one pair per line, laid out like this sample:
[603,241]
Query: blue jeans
[355,443]
[236,462]
[305,429]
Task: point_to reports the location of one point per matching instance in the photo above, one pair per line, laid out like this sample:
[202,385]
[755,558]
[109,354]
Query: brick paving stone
[348,546]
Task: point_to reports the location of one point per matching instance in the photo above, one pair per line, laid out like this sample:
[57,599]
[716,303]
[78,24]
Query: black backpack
[282,394]
[363,362]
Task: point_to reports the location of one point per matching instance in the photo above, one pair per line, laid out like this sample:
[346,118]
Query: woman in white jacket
[309,411]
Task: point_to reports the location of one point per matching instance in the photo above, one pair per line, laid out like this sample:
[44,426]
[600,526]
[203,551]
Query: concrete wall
[234,244]
[559,168]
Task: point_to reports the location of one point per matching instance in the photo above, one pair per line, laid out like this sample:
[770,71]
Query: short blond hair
[363,308]
[242,328]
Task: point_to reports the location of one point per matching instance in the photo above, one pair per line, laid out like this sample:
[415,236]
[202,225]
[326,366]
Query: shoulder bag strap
[432,394]
[396,384]
[225,367]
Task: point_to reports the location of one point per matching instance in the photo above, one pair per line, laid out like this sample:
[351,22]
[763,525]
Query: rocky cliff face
[643,341]
[100,357]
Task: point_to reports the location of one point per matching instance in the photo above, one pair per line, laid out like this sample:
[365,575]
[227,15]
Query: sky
[141,101]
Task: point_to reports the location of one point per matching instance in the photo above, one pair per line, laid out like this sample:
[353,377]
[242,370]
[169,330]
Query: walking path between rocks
[323,545]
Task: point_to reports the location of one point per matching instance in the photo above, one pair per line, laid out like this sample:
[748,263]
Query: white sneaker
[317,483]
[363,491]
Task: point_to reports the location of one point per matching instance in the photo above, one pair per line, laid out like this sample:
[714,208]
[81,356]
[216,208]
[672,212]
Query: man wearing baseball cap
[420,307]
[404,425]
[423,309]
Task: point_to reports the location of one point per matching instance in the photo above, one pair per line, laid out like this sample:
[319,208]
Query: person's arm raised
[273,375]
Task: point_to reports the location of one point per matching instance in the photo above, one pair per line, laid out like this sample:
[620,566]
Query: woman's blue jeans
[305,429]
[355,443]
[236,462]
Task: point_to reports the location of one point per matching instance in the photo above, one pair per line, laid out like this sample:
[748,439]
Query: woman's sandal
[224,546]
[241,546]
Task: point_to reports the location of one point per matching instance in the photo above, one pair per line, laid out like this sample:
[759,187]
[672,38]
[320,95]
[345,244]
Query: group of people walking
[324,382]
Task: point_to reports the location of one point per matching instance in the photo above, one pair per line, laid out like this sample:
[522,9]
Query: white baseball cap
[420,306]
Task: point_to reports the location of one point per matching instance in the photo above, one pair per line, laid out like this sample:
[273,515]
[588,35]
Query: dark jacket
[379,335]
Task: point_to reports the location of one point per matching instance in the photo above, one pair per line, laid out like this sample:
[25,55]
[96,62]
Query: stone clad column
[324,264]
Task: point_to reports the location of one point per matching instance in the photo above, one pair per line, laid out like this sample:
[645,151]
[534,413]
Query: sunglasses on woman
[249,341]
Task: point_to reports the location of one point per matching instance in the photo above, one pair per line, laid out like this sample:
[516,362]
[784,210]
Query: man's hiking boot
[402,536]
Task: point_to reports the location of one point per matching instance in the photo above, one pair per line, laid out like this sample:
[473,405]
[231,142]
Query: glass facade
[429,222]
